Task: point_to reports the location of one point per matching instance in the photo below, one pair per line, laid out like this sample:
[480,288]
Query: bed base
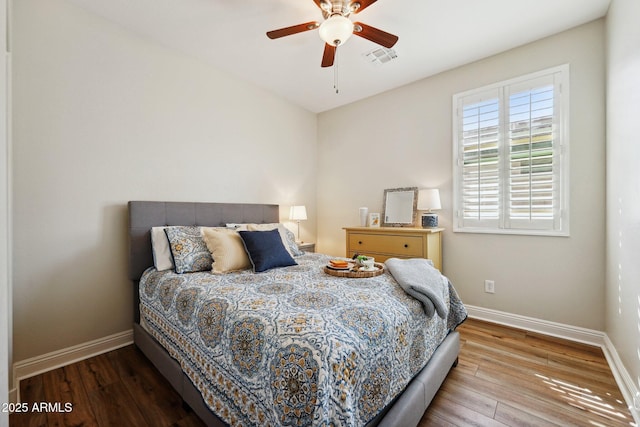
[404,411]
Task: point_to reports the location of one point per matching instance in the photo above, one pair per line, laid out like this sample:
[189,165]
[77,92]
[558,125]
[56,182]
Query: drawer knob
[360,242]
[406,245]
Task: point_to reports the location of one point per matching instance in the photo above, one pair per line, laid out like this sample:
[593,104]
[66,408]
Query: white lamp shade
[336,30]
[429,199]
[298,213]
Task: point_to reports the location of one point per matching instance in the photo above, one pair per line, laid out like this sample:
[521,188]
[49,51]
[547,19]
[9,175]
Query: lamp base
[429,220]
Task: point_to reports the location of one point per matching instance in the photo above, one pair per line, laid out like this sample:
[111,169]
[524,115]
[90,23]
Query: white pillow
[237,227]
[162,258]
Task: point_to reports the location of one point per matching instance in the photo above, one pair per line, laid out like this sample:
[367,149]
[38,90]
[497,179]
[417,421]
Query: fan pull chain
[335,71]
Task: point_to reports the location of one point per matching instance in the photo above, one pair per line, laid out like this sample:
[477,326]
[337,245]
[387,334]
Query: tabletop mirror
[399,207]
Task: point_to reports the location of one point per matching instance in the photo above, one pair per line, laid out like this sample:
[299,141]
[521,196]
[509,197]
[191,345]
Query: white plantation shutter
[510,156]
[480,161]
[532,199]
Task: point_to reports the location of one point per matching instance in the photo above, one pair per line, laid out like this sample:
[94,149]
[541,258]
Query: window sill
[507,231]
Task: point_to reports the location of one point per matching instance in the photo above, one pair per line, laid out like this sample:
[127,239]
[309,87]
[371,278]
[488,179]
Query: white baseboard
[560,330]
[627,386]
[47,362]
[13,395]
[572,333]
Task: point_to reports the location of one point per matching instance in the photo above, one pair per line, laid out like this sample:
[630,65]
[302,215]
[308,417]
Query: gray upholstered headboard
[144,215]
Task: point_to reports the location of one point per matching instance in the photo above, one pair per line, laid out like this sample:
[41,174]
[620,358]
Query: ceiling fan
[337,27]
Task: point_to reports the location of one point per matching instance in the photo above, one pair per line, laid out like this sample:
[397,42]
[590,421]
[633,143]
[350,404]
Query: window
[511,157]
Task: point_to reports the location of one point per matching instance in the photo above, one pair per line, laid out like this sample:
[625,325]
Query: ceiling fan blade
[294,29]
[328,55]
[363,5]
[375,35]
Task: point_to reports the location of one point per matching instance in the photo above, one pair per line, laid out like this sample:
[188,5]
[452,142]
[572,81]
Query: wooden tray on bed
[355,272]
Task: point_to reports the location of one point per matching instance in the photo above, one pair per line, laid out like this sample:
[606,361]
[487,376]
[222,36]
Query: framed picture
[374,219]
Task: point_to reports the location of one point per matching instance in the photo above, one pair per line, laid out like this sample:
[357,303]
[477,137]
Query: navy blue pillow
[266,250]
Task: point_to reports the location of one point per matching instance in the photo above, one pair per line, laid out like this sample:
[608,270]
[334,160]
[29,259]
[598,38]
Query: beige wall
[623,184]
[403,138]
[5,291]
[101,117]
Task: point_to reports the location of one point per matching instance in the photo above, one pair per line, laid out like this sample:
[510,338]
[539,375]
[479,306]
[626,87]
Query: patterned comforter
[293,346]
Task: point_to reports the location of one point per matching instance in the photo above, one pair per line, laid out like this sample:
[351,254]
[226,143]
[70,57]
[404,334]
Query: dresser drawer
[396,242]
[402,246]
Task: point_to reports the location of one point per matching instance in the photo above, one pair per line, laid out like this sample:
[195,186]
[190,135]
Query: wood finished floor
[505,377]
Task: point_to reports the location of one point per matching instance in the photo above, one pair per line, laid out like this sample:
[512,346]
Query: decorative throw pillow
[227,250]
[287,236]
[291,240]
[161,252]
[266,250]
[188,249]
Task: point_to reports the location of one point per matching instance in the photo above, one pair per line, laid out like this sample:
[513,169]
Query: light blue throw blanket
[420,279]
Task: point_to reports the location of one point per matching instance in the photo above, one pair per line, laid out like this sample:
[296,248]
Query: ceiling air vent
[381,55]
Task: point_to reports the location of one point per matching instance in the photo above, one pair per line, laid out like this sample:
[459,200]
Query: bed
[287,346]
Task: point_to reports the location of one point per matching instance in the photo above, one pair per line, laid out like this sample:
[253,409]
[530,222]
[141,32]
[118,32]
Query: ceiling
[435,35]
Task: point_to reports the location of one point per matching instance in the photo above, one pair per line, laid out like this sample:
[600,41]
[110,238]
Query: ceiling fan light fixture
[336,29]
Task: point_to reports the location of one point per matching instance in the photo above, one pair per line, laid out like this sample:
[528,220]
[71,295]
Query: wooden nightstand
[400,242]
[306,246]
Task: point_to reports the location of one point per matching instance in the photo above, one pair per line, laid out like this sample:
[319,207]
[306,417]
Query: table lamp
[428,200]
[298,213]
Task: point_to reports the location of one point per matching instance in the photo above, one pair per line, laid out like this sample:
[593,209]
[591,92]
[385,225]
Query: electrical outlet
[489,286]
